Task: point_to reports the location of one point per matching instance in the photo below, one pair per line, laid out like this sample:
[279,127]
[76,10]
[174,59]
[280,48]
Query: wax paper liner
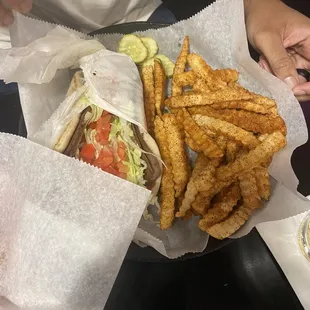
[218,34]
[65,228]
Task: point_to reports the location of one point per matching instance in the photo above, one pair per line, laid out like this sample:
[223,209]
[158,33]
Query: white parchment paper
[65,228]
[218,34]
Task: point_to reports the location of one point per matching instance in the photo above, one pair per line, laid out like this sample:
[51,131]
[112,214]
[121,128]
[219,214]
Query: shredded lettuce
[122,132]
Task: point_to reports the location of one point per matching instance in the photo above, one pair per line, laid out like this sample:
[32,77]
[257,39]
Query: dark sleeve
[184,9]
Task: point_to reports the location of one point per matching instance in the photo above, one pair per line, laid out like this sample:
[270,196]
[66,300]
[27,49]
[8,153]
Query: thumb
[280,62]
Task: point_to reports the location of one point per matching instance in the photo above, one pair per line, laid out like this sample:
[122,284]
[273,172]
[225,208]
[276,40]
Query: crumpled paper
[65,228]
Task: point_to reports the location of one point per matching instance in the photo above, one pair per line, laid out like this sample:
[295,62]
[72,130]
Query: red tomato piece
[112,171]
[122,167]
[121,151]
[123,176]
[103,162]
[87,153]
[104,122]
[102,137]
[92,125]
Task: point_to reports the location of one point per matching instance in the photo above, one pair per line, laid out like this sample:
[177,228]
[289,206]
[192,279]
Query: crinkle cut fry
[228,130]
[229,226]
[204,142]
[180,67]
[249,191]
[231,150]
[245,104]
[191,191]
[179,159]
[263,182]
[167,192]
[250,121]
[227,75]
[205,182]
[201,204]
[264,151]
[187,78]
[149,96]
[160,87]
[223,205]
[200,86]
[192,144]
[205,72]
[222,96]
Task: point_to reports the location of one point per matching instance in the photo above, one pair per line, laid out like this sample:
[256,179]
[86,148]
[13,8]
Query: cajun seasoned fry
[222,207]
[204,71]
[263,182]
[228,76]
[205,181]
[149,97]
[272,144]
[229,226]
[206,144]
[250,121]
[230,131]
[160,87]
[234,132]
[231,151]
[249,191]
[244,104]
[180,67]
[167,192]
[187,78]
[192,144]
[200,86]
[179,159]
[220,96]
[191,190]
[267,102]
[201,204]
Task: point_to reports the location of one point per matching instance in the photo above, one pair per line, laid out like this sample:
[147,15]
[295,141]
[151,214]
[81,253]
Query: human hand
[6,16]
[282,36]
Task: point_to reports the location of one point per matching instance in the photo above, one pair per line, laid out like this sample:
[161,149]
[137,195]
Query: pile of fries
[234,132]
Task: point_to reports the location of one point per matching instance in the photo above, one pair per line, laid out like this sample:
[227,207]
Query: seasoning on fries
[235,133]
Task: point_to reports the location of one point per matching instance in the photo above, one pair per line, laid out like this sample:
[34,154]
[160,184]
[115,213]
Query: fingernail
[8,20]
[299,92]
[25,6]
[291,82]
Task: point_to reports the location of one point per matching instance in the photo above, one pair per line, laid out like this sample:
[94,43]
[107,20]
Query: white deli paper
[223,44]
[65,228]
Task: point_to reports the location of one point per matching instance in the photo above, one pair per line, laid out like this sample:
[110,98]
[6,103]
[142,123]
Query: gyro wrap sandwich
[109,142]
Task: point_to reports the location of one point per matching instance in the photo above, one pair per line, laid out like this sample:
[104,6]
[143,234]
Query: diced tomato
[102,137]
[122,168]
[105,158]
[111,170]
[123,176]
[87,153]
[103,162]
[92,125]
[121,151]
[104,122]
[106,152]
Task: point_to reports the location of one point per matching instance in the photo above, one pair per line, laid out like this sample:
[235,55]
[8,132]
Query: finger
[303,98]
[302,89]
[6,17]
[264,64]
[22,6]
[281,64]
